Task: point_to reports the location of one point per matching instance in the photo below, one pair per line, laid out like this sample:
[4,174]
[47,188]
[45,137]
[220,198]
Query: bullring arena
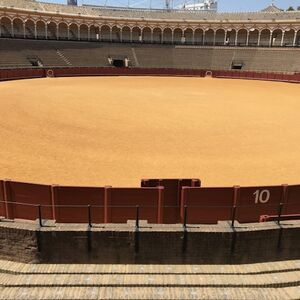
[93,130]
[149,153]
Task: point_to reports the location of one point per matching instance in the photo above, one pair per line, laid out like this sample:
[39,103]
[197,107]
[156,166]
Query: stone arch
[157,35]
[84,32]
[288,39]
[231,37]
[136,35]
[220,37]
[199,36]
[126,34]
[209,37]
[94,33]
[73,31]
[167,35]
[105,33]
[146,35]
[178,37]
[63,31]
[18,28]
[5,27]
[116,34]
[242,37]
[253,37]
[30,31]
[52,31]
[265,35]
[276,37]
[188,36]
[40,29]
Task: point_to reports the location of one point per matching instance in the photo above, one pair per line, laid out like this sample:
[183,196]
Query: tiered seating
[18,52]
[14,53]
[276,280]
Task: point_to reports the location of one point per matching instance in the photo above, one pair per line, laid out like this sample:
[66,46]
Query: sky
[223,5]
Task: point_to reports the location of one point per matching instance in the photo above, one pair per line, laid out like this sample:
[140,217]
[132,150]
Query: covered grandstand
[37,20]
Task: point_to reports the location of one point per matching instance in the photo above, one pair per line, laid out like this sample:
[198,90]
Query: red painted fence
[11,74]
[165,201]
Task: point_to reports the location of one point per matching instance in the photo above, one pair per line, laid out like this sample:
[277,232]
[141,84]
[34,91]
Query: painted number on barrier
[262,196]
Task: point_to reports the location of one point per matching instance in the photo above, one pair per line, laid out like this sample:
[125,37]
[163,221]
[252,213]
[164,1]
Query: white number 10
[262,196]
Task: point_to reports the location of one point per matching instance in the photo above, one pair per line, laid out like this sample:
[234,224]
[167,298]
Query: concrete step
[246,269]
[276,280]
[149,293]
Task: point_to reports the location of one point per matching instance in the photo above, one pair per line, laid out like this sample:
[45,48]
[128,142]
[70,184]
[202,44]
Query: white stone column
[46,31]
[35,31]
[247,40]
[225,37]
[282,38]
[214,42]
[203,38]
[68,32]
[236,38]
[271,38]
[12,29]
[98,34]
[193,37]
[172,38]
[24,30]
[78,33]
[130,35]
[89,33]
[110,34]
[295,37]
[57,32]
[259,36]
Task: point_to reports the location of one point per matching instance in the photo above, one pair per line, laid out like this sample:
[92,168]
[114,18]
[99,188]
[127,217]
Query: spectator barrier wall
[21,73]
[167,201]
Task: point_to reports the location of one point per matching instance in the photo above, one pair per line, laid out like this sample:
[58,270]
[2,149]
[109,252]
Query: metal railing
[265,212]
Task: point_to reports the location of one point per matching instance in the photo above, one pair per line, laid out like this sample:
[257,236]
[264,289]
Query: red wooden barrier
[292,205]
[2,199]
[172,195]
[79,198]
[122,202]
[253,202]
[7,74]
[207,205]
[28,196]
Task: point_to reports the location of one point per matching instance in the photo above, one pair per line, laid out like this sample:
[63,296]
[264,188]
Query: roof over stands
[270,13]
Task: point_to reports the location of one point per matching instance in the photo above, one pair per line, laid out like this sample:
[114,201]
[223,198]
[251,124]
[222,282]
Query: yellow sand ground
[117,130]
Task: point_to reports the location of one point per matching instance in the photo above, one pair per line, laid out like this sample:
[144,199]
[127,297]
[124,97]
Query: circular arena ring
[99,131]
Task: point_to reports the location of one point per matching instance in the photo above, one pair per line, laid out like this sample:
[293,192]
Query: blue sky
[224,5]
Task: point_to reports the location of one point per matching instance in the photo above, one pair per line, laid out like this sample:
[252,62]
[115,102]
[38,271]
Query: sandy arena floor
[117,130]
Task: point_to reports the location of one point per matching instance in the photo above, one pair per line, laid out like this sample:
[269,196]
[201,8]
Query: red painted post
[160,213]
[182,203]
[284,197]
[107,204]
[236,194]
[54,201]
[9,209]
